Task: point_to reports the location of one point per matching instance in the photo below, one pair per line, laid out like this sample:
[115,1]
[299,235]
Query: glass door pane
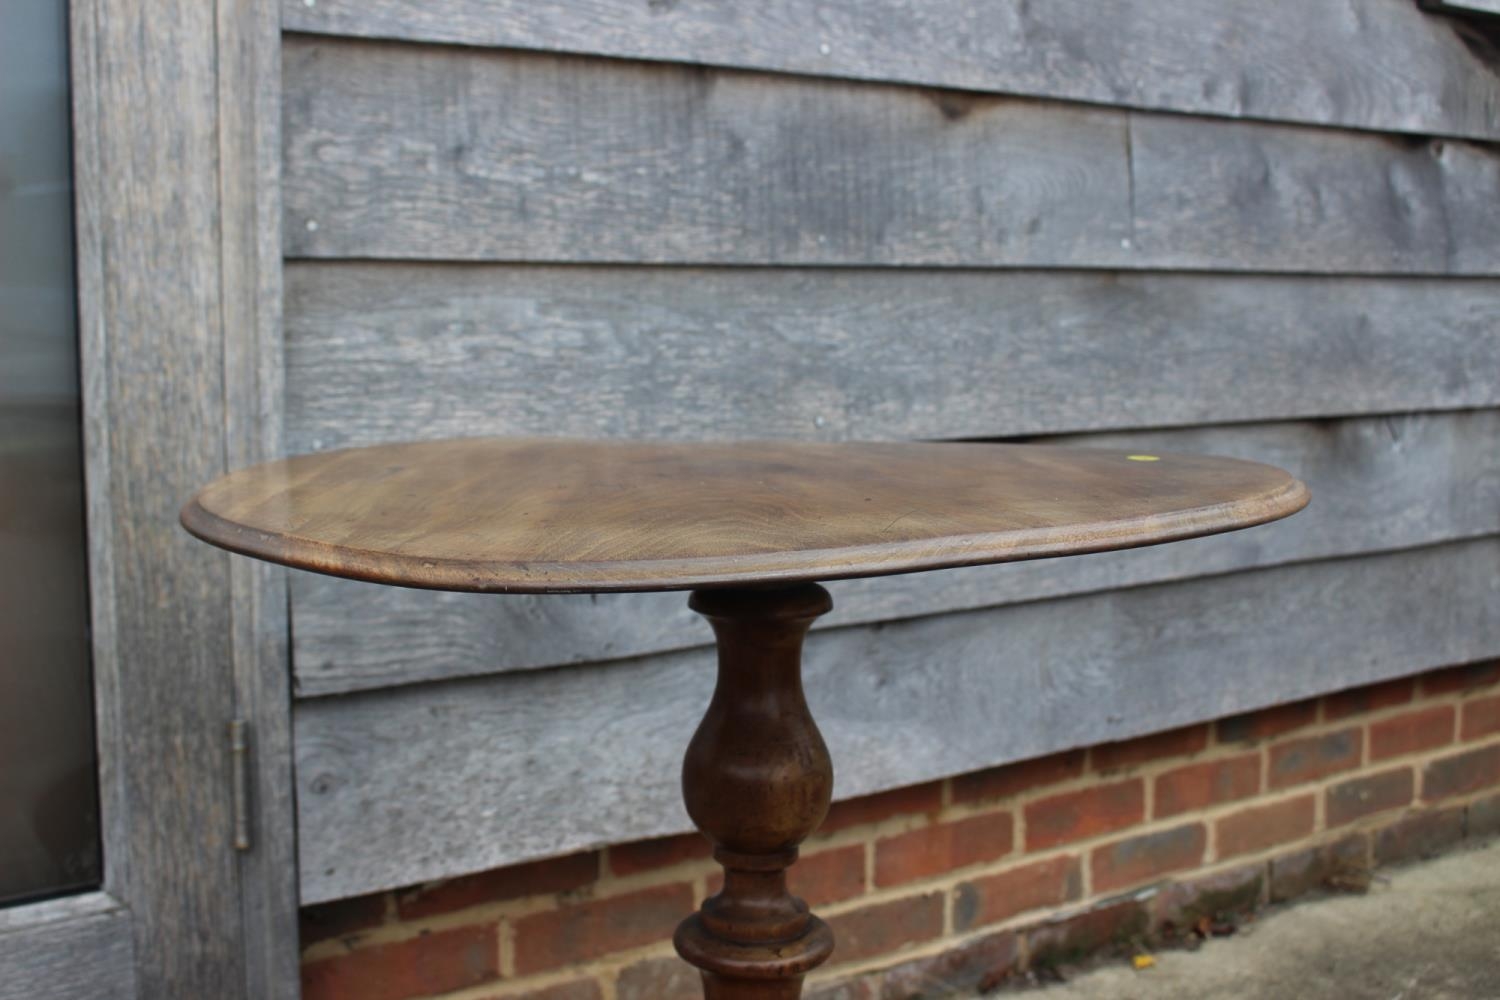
[49,813]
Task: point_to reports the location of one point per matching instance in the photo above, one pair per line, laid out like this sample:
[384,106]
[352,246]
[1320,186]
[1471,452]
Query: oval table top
[551,515]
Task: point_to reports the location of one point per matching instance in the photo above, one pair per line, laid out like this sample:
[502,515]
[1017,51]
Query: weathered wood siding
[1376,64]
[404,781]
[1381,483]
[400,151]
[863,353]
[1258,229]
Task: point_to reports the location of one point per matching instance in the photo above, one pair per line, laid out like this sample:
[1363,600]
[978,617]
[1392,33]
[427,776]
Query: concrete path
[1429,931]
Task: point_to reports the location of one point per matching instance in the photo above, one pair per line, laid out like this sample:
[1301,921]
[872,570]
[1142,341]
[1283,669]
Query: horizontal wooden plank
[1378,483]
[382,352]
[1380,64]
[63,949]
[399,151]
[401,786]
[1229,195]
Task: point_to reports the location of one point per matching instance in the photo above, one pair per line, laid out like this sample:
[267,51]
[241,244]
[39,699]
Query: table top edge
[754,570]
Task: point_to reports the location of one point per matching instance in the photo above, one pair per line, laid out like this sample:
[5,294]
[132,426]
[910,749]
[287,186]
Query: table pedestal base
[757,780]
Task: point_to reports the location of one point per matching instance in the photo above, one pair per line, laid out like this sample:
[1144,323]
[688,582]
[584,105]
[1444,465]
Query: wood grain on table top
[545,515]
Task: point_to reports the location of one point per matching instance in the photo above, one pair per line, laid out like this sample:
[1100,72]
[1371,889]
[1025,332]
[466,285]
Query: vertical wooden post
[757,780]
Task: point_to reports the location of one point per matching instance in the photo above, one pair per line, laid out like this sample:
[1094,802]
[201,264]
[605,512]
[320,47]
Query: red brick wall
[965,881]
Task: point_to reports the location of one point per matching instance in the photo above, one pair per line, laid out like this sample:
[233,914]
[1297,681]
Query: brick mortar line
[1219,751]
[1320,798]
[1034,918]
[522,988]
[700,888]
[914,951]
[863,832]
[1148,794]
[1373,823]
[619,885]
[869,859]
[1478,739]
[605,969]
[688,872]
[1208,816]
[1320,836]
[694,874]
[1211,829]
[1416,802]
[1367,741]
[1147,771]
[945,882]
[949,810]
[828,974]
[504,911]
[1029,919]
[1280,797]
[1085,874]
[507,934]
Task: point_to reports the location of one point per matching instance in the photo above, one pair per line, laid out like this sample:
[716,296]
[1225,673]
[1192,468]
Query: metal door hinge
[239,781]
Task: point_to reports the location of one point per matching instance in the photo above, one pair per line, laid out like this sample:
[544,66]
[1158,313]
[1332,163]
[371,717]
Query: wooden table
[748,527]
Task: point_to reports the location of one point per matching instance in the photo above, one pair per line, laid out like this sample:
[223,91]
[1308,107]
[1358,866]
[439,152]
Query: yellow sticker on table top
[1142,458]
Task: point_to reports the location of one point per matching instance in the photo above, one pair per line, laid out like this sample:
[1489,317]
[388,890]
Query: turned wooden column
[757,781]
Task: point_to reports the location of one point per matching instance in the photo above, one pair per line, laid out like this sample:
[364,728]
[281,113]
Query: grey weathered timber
[170,261]
[90,229]
[152,355]
[67,949]
[410,784]
[380,352]
[249,94]
[1378,64]
[1378,483]
[1210,194]
[400,151]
